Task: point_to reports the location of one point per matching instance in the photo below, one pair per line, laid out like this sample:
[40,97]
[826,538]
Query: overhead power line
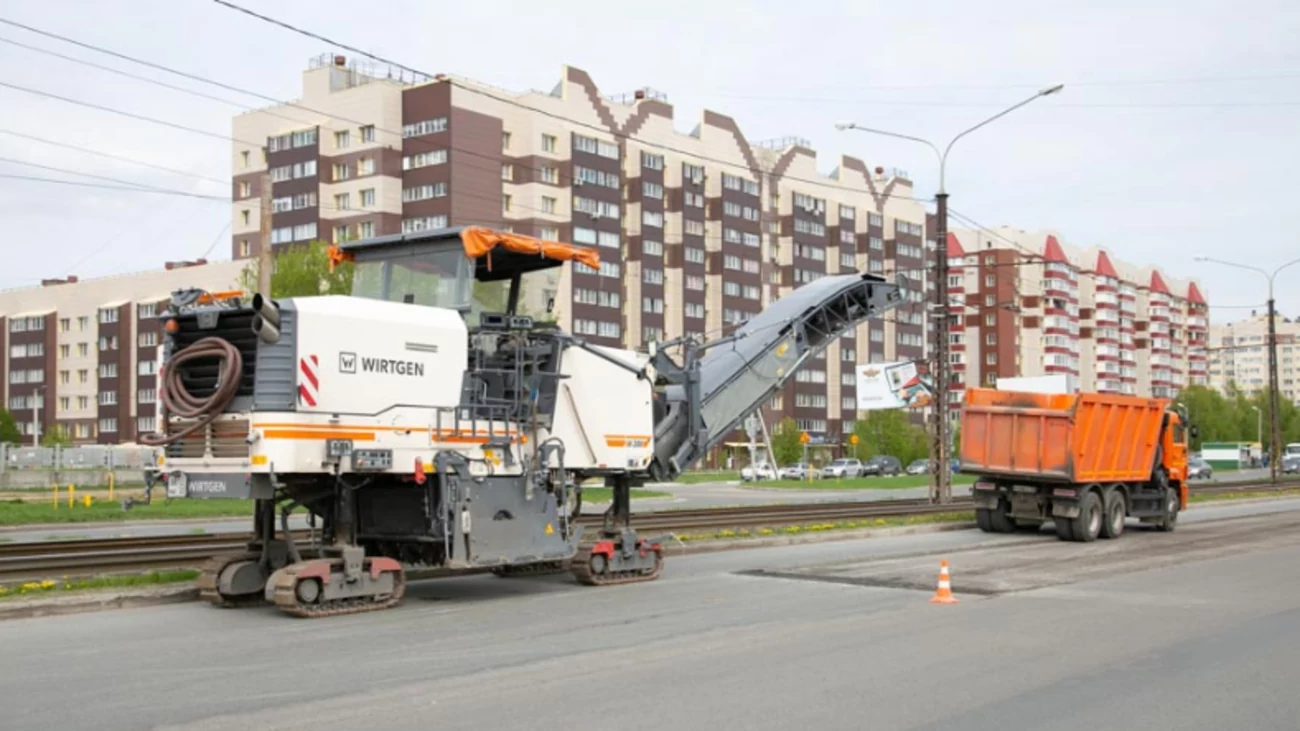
[112,156]
[104,186]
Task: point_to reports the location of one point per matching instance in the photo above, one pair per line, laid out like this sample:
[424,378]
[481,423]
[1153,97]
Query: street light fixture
[1274,403]
[941,485]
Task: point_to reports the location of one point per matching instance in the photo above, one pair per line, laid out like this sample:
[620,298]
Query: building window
[549,174]
[548,143]
[367,198]
[342,139]
[548,204]
[427,127]
[366,230]
[245,248]
[368,133]
[145,424]
[505,140]
[342,201]
[424,159]
[107,398]
[507,172]
[506,202]
[549,233]
[342,171]
[652,248]
[652,162]
[425,223]
[425,192]
[148,339]
[366,166]
[108,426]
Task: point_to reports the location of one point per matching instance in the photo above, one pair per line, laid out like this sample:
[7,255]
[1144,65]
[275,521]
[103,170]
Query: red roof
[1158,283]
[1104,267]
[1053,251]
[1194,294]
[954,246]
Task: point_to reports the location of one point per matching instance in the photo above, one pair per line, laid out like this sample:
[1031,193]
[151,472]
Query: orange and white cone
[944,593]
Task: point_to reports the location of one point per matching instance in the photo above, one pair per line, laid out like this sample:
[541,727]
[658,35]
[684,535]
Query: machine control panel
[372,460]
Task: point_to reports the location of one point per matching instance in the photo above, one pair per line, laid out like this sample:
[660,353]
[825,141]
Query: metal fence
[61,459]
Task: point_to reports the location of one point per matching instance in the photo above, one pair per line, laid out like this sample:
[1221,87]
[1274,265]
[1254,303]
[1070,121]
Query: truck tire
[1169,520]
[1112,524]
[984,519]
[1064,528]
[1087,526]
[1001,520]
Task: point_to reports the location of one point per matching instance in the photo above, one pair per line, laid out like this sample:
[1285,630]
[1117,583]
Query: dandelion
[765,531]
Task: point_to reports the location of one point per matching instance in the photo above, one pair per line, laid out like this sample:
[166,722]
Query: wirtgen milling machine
[417,438]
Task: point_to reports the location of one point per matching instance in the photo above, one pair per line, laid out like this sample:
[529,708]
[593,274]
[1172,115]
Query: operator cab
[470,269]
[503,285]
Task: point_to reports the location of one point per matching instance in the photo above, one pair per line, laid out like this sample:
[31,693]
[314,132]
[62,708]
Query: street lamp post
[1274,401]
[941,482]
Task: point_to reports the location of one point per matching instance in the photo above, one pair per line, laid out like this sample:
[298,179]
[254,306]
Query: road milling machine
[435,419]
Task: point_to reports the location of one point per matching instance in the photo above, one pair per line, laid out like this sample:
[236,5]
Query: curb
[96,600]
[720,545]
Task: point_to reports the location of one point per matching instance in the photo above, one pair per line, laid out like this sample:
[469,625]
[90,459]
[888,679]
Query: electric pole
[940,482]
[941,485]
[1274,401]
[265,259]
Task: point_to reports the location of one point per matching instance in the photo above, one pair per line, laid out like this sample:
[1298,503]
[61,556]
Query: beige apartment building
[83,354]
[699,228]
[1239,355]
[1028,303]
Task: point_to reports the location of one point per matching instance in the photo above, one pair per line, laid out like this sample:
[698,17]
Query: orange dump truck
[1085,461]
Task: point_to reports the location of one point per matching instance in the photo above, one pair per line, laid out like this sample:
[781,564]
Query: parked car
[798,471]
[760,471]
[1199,469]
[919,467]
[881,465]
[1291,464]
[843,468]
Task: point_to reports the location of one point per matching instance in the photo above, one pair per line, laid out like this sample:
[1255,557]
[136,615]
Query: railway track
[27,561]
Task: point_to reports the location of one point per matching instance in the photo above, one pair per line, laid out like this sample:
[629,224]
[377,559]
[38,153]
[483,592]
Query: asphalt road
[1200,636]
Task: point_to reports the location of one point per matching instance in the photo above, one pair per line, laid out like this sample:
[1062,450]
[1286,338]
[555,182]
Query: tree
[786,447]
[301,270]
[9,433]
[59,436]
[888,432]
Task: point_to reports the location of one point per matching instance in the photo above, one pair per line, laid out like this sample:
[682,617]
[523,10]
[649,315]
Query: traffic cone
[944,593]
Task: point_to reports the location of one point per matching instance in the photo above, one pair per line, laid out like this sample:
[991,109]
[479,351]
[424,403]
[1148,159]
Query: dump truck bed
[1077,438]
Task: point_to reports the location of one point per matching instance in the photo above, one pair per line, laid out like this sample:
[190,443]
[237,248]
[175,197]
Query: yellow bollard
[87,501]
[72,495]
[56,497]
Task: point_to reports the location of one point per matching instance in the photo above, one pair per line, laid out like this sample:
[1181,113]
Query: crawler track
[26,561]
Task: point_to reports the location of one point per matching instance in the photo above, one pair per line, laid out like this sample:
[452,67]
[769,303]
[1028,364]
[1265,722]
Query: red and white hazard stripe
[308,381]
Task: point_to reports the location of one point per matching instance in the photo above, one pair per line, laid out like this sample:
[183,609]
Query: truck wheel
[1064,528]
[1113,524]
[984,519]
[1170,518]
[1087,526]
[1001,520]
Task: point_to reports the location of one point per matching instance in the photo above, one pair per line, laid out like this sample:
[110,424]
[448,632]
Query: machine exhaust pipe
[264,330]
[269,310]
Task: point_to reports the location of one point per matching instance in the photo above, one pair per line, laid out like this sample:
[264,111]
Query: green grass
[25,513]
[843,525]
[696,478]
[606,494]
[49,586]
[899,482]
[1286,492]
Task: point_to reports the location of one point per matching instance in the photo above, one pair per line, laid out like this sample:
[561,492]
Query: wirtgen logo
[347,362]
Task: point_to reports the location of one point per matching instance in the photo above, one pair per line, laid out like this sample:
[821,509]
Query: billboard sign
[897,385]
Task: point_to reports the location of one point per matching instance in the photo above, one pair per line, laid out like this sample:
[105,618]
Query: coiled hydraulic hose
[180,402]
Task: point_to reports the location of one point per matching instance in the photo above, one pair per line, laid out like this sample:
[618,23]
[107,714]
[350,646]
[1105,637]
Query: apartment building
[698,230]
[1239,355]
[83,355]
[1026,303]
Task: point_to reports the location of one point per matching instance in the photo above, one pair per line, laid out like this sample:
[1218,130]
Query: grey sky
[1199,163]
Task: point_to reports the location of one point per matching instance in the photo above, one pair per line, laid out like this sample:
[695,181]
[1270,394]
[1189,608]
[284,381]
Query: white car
[843,468]
[762,471]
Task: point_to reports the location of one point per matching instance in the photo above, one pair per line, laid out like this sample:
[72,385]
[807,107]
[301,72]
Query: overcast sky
[1174,137]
